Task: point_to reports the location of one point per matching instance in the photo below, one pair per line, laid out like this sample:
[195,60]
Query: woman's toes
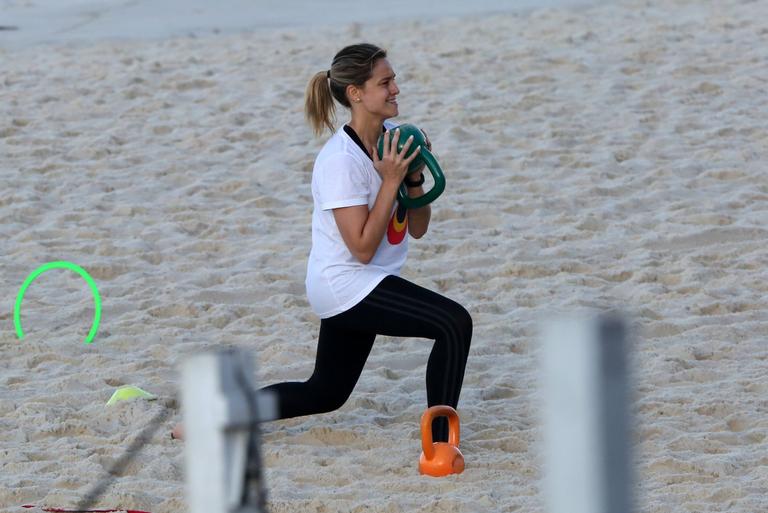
[178,432]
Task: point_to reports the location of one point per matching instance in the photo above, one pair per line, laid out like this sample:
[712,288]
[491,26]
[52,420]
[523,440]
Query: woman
[359,244]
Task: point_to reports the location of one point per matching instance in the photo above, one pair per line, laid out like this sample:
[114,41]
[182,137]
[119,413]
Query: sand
[600,158]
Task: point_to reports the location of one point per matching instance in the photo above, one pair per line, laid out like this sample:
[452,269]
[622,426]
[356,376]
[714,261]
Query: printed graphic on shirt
[398,226]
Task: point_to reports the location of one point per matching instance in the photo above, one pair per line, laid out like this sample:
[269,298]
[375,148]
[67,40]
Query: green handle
[425,157]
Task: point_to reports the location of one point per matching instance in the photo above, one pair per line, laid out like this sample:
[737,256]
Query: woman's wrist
[389,188]
[390,183]
[414,183]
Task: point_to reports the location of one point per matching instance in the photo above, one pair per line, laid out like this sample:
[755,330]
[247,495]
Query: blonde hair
[352,65]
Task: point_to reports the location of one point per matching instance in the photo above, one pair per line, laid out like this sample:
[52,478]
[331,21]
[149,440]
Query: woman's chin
[390,111]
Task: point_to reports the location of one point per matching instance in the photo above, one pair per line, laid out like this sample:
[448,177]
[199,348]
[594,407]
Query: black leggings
[397,308]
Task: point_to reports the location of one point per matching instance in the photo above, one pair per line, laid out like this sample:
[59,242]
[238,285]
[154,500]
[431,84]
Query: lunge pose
[360,242]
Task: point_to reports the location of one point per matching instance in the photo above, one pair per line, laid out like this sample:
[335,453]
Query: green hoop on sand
[59,265]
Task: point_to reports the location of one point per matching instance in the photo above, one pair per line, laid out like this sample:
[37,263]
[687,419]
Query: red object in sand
[60,510]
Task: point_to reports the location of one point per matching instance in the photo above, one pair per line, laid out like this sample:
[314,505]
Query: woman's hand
[393,165]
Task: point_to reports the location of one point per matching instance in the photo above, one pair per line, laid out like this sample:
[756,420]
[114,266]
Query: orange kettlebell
[440,458]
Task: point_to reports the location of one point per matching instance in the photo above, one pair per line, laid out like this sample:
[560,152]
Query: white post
[586,396]
[221,410]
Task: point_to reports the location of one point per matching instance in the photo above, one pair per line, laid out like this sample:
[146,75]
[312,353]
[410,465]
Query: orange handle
[426,428]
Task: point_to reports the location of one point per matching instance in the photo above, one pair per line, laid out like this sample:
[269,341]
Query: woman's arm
[418,218]
[361,229]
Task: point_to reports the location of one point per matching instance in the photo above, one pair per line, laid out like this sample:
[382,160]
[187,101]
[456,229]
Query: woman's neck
[367,129]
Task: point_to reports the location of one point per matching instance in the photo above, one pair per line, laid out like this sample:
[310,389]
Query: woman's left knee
[463,321]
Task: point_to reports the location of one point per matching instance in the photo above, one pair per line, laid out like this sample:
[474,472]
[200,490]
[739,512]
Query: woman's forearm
[363,229]
[378,218]
[418,218]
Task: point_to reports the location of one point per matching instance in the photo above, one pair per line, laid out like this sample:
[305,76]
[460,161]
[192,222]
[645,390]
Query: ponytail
[318,104]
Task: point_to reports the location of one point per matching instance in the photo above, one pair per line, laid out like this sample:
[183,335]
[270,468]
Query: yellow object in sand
[129,392]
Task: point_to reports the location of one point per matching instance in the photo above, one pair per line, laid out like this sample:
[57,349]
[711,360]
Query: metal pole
[221,410]
[587,447]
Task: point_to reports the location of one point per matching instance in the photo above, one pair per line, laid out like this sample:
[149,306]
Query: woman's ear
[353,93]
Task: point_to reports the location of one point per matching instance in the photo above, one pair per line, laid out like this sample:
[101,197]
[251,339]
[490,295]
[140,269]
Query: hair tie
[328,74]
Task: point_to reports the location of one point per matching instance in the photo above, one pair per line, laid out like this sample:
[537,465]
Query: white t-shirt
[344,176]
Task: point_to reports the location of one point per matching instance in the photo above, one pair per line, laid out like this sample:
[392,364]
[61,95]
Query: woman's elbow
[363,256]
[417,234]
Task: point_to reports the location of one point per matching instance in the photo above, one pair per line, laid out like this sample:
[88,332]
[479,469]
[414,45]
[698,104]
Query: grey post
[586,409]
[222,410]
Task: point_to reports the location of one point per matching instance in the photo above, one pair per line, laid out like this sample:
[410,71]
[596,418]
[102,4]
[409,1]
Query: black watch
[418,183]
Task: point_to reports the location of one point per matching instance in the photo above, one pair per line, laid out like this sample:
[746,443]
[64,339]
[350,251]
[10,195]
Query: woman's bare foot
[178,432]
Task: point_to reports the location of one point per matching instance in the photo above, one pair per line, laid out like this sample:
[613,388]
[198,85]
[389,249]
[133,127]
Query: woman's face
[379,93]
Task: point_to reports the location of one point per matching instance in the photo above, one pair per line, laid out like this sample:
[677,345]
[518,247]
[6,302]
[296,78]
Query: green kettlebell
[424,157]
